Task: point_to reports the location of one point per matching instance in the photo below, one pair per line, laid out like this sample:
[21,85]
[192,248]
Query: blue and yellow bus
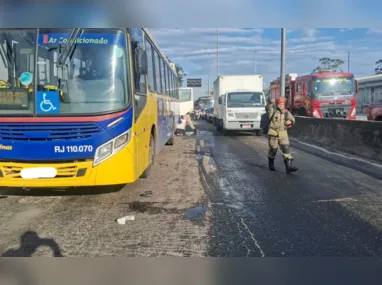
[82,107]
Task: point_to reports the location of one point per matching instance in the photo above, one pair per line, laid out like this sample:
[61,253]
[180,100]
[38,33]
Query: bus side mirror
[142,62]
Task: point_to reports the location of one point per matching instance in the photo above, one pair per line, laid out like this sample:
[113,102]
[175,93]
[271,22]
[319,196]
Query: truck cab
[239,103]
[241,110]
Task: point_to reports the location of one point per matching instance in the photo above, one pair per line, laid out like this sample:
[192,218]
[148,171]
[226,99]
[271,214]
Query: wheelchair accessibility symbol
[48,102]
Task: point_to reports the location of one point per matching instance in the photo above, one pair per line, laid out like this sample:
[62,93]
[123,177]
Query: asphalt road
[212,195]
[324,209]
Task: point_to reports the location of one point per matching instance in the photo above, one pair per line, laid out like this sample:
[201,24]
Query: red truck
[325,94]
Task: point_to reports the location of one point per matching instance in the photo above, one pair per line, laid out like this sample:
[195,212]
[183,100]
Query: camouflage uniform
[278,136]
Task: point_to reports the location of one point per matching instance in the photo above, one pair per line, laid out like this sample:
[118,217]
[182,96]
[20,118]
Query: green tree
[179,71]
[329,63]
[378,69]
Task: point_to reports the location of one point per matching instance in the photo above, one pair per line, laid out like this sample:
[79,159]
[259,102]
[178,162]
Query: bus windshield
[205,103]
[17,62]
[185,95]
[334,85]
[91,78]
[245,99]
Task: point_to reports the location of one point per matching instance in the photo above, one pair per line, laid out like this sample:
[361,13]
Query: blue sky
[195,50]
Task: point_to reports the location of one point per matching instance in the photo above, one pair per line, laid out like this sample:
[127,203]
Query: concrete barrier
[360,138]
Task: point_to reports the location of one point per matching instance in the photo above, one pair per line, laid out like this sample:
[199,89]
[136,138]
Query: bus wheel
[171,140]
[146,173]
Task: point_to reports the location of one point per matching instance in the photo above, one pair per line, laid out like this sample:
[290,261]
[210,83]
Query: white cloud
[374,31]
[306,32]
[195,50]
[310,32]
[310,39]
[346,30]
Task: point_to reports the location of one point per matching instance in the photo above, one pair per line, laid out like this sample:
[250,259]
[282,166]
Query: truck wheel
[218,127]
[146,173]
[225,131]
[259,133]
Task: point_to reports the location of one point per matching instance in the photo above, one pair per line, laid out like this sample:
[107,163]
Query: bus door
[142,133]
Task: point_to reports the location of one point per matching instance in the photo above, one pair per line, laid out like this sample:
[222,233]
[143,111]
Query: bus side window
[137,41]
[140,97]
[150,60]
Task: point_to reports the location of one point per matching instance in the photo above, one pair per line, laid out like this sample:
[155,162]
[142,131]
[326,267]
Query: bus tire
[146,172]
[171,140]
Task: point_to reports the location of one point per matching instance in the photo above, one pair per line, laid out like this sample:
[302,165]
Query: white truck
[239,103]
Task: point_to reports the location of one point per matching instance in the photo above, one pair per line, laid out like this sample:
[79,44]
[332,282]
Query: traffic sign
[194,82]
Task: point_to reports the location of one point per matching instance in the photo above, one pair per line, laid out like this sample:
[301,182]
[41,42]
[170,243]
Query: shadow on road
[71,191]
[29,243]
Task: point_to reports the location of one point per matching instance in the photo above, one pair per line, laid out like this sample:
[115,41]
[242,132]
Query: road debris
[147,194]
[122,221]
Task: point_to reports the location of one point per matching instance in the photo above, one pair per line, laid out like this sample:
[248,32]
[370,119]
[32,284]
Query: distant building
[370,90]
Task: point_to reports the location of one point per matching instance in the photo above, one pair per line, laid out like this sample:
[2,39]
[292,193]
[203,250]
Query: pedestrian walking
[280,120]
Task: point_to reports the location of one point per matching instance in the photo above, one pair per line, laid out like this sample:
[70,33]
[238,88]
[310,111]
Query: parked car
[374,111]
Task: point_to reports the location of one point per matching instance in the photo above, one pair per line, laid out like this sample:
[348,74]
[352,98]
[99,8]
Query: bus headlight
[110,148]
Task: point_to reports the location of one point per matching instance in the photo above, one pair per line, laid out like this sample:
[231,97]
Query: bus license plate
[246,126]
[38,172]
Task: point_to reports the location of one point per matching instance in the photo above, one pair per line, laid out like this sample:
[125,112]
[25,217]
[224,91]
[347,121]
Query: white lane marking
[338,200]
[346,156]
[253,238]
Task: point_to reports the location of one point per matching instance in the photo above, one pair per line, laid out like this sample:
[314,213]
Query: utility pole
[282,66]
[217,52]
[209,66]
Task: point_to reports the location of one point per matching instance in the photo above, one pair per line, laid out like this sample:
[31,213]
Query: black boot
[289,167]
[271,164]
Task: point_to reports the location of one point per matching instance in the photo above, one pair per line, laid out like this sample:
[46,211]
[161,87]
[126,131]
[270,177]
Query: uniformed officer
[280,120]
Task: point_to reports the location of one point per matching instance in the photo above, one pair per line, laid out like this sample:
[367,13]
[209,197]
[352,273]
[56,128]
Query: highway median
[359,138]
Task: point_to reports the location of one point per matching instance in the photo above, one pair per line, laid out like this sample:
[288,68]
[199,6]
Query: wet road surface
[324,209]
[210,195]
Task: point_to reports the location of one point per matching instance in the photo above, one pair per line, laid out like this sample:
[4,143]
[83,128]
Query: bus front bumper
[118,169]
